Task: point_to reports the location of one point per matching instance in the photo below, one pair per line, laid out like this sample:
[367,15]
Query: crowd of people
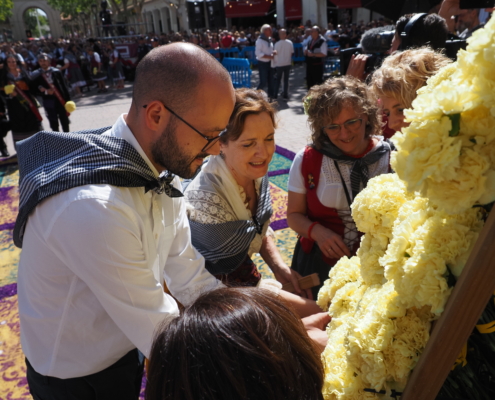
[121,260]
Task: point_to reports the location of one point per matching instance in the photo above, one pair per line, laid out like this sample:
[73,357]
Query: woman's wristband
[311,228]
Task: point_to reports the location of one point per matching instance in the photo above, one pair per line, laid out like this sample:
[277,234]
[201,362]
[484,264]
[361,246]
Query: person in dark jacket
[51,85]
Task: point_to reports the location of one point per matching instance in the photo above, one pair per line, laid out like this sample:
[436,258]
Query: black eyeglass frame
[210,141]
[345,124]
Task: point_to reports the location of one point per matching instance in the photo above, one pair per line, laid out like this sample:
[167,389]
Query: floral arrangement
[419,227]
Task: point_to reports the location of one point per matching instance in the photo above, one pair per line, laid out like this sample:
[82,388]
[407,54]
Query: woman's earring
[222,155]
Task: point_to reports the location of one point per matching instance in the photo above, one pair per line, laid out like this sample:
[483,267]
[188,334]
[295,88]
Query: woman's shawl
[222,228]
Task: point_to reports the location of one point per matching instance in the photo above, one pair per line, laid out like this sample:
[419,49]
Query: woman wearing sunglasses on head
[326,176]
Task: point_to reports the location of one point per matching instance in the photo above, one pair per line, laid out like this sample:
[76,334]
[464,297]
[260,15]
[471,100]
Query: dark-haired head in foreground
[234,344]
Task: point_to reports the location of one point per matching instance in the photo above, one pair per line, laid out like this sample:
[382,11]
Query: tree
[78,10]
[6,7]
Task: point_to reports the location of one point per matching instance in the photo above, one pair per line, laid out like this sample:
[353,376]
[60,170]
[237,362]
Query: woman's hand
[316,328]
[284,274]
[330,244]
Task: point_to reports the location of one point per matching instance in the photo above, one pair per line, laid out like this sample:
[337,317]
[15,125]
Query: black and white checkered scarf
[359,171]
[51,162]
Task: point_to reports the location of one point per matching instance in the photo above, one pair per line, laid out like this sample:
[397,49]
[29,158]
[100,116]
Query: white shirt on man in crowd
[263,49]
[284,49]
[92,269]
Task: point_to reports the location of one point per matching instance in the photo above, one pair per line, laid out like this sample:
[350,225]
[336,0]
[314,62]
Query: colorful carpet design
[13,383]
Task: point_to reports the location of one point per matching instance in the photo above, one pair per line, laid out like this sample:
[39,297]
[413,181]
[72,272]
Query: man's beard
[167,153]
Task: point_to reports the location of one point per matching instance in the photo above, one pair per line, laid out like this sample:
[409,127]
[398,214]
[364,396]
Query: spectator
[315,52]
[227,40]
[397,81]
[117,67]
[76,77]
[325,177]
[50,84]
[428,30]
[265,54]
[242,40]
[143,48]
[467,19]
[282,62]
[25,119]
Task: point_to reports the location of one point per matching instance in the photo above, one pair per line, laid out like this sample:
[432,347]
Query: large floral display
[419,227]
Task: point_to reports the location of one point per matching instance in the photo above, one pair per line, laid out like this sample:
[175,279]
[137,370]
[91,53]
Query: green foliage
[32,22]
[73,7]
[6,7]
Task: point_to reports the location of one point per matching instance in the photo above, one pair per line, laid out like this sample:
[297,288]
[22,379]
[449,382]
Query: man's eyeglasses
[351,125]
[209,141]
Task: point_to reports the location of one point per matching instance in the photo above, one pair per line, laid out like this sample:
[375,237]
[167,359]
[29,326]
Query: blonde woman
[397,81]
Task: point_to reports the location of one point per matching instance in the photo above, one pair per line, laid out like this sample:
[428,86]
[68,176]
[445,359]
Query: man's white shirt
[91,272]
[262,49]
[284,49]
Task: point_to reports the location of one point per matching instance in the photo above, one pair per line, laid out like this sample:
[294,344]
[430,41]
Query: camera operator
[375,43]
[425,30]
[428,30]
[467,19]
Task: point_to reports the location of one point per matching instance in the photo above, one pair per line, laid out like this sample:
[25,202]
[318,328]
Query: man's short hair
[44,56]
[430,31]
[172,74]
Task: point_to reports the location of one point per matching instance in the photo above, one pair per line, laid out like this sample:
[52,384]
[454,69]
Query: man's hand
[356,66]
[316,328]
[448,10]
[50,91]
[284,274]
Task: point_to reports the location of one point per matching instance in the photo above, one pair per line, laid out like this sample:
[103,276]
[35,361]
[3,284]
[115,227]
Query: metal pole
[38,22]
[207,19]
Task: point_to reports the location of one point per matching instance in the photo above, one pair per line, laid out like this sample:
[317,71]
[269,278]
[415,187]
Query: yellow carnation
[70,106]
[345,271]
[411,334]
[423,149]
[375,208]
[9,89]
[369,252]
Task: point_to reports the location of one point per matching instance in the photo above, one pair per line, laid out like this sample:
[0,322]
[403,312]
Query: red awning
[347,3]
[247,8]
[293,9]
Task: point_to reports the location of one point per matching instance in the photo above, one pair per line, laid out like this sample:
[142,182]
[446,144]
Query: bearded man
[98,236]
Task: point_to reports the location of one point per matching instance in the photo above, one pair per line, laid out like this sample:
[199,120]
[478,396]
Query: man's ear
[156,117]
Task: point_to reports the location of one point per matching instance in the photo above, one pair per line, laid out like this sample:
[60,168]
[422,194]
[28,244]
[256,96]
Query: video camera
[375,44]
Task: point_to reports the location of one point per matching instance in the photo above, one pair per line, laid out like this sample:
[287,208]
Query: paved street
[98,110]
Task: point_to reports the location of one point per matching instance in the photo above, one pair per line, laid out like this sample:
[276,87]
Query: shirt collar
[121,130]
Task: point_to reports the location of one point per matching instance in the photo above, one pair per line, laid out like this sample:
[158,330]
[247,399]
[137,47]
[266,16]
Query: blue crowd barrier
[239,70]
[249,52]
[298,55]
[215,53]
[230,53]
[332,66]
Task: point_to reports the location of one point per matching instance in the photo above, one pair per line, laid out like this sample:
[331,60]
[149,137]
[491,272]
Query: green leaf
[455,119]
[6,7]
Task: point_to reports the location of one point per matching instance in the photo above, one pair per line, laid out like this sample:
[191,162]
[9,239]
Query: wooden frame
[463,310]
